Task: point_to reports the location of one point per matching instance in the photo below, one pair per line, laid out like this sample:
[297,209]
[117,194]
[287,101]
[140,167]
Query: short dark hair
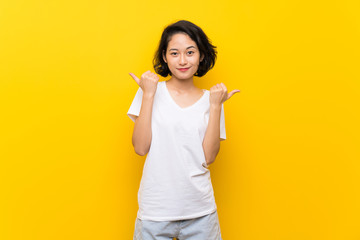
[197,35]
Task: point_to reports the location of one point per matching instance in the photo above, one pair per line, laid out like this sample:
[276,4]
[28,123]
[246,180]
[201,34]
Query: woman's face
[182,56]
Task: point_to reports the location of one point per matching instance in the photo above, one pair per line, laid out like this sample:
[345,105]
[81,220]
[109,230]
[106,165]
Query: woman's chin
[183,76]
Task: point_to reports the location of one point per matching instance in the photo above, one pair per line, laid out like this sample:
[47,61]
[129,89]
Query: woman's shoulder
[160,83]
[205,91]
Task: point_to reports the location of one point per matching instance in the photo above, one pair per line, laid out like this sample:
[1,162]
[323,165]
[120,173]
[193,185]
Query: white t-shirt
[176,182]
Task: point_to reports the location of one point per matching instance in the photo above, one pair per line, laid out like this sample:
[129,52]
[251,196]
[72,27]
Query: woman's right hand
[147,82]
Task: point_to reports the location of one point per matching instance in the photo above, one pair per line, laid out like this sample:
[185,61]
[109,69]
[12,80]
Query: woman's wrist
[215,106]
[148,95]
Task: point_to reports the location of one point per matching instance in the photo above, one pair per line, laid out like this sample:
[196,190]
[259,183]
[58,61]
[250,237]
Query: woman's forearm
[211,142]
[141,138]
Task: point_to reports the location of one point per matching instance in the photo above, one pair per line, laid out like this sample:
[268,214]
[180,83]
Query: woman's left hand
[219,94]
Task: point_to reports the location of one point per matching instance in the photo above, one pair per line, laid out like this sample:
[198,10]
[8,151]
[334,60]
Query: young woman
[179,126]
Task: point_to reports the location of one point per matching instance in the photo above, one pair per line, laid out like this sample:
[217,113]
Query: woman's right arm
[141,138]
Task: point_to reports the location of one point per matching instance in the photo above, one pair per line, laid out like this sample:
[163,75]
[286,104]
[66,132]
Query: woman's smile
[183,69]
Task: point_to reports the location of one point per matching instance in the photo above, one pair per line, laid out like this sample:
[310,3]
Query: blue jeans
[202,228]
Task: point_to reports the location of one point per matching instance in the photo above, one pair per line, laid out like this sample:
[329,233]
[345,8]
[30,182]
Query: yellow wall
[289,169]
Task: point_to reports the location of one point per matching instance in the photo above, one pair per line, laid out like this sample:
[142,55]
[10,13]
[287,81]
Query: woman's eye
[174,53]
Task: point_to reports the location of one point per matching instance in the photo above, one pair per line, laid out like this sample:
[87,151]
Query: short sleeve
[135,105]
[222,124]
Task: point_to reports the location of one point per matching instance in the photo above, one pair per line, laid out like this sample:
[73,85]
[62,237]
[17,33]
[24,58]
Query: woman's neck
[184,85]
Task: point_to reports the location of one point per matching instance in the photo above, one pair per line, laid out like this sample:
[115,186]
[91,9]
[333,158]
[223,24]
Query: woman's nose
[183,59]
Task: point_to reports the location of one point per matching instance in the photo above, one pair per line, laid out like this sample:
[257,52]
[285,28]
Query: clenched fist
[147,82]
[219,94]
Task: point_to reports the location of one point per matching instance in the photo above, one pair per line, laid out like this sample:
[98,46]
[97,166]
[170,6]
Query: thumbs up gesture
[219,94]
[147,82]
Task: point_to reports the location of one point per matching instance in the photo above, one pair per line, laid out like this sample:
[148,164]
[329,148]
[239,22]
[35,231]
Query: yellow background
[289,169]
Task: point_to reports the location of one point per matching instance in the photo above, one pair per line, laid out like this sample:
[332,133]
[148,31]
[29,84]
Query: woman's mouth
[183,69]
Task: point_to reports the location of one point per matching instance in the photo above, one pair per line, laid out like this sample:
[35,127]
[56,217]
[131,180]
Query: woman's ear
[164,56]
[201,57]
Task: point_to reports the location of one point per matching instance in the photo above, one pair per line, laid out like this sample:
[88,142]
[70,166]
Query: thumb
[137,80]
[232,93]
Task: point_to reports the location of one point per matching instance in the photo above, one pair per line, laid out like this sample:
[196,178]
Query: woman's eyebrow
[178,49]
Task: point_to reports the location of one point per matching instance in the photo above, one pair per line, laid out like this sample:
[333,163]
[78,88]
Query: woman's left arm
[211,142]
